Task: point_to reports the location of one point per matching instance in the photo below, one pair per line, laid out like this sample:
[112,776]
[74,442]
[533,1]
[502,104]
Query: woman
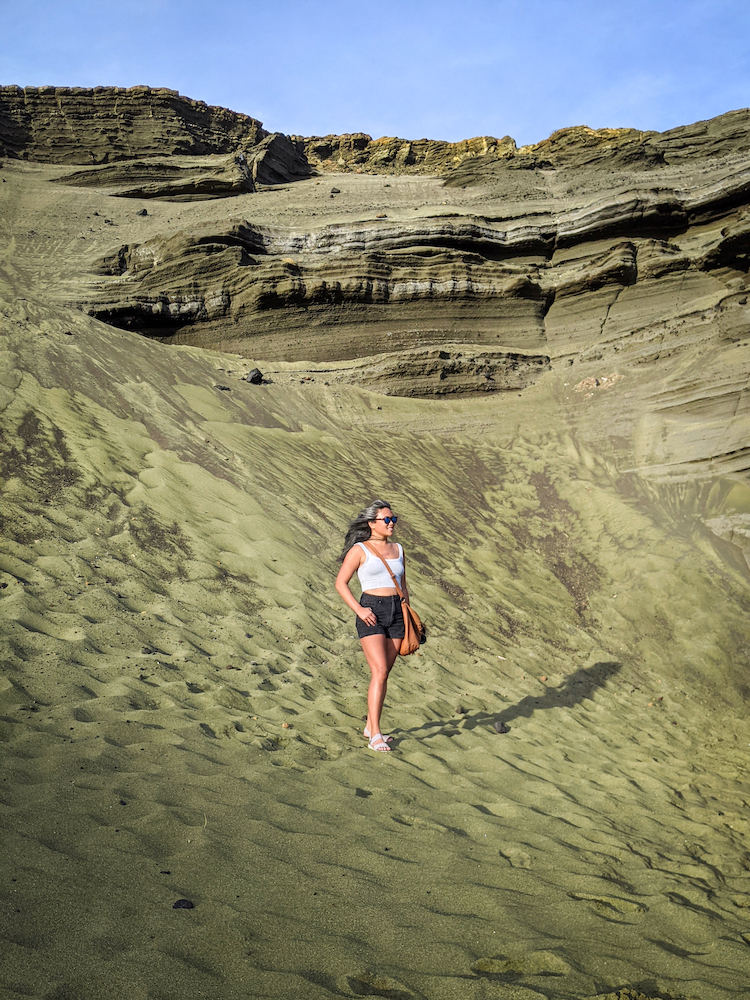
[380,621]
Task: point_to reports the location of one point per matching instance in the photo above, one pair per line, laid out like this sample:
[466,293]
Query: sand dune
[182,691]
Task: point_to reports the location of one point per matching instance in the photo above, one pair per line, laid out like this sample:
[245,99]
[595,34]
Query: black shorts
[390,617]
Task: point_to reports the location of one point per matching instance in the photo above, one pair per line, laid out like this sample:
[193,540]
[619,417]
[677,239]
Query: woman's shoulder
[356,554]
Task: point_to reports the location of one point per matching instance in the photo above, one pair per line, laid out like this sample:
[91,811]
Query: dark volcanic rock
[276,160]
[401,156]
[172,179]
[100,125]
[105,124]
[507,271]
[614,149]
[451,370]
[133,139]
[477,160]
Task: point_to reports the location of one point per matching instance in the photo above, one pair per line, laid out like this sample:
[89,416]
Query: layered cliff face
[274,160]
[582,268]
[482,268]
[363,154]
[107,124]
[145,143]
[615,149]
[613,261]
[590,253]
[478,160]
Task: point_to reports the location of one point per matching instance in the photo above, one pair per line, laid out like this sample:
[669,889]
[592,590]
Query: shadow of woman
[575,689]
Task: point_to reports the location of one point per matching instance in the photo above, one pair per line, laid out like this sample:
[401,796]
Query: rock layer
[251,274]
[106,124]
[168,179]
[604,251]
[478,160]
[428,373]
[605,272]
[619,149]
[80,125]
[274,160]
[363,154]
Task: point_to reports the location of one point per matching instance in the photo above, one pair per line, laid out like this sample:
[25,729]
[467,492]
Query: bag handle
[393,577]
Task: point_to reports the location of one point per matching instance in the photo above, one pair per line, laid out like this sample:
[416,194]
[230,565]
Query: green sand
[182,689]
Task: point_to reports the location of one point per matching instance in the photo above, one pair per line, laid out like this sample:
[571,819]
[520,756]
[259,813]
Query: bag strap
[393,577]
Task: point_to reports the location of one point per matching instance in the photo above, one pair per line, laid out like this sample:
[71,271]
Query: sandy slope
[181,691]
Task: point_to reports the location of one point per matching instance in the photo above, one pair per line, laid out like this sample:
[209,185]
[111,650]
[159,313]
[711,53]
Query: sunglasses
[387,520]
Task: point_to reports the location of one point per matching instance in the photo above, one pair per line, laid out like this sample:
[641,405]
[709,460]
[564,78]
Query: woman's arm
[350,565]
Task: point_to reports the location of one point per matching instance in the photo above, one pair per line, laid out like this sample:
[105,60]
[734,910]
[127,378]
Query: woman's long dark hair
[359,529]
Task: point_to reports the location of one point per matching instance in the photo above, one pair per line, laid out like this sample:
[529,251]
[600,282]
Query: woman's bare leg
[381,654]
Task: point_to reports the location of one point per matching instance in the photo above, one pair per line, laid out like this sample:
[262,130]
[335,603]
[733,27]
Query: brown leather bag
[414,631]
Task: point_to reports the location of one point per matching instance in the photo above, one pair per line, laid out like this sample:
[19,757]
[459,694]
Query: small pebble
[500,727]
[183,904]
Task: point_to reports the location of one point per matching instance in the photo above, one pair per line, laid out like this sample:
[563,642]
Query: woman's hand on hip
[367,615]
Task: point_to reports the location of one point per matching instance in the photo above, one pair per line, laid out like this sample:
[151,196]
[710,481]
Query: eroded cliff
[583,269]
[90,125]
[428,268]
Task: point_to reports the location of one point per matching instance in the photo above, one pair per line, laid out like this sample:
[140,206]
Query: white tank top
[374,576]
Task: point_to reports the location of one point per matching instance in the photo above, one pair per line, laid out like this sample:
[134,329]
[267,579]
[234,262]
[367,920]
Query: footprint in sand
[427,824]
[532,963]
[372,984]
[607,904]
[517,857]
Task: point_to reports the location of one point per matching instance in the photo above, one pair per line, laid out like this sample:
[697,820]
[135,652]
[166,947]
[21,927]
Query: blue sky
[412,68]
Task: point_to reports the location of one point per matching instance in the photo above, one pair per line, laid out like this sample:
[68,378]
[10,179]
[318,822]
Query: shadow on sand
[574,690]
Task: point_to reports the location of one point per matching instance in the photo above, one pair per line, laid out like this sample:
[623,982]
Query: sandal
[378,742]
[367,735]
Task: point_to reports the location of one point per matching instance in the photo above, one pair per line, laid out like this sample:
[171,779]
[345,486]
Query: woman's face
[379,527]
